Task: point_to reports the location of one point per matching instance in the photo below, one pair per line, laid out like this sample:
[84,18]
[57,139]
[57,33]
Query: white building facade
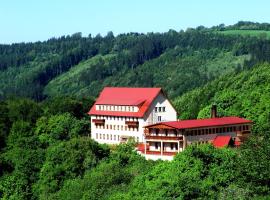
[121,113]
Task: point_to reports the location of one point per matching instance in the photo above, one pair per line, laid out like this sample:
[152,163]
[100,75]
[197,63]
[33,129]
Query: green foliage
[245,94]
[4,123]
[254,165]
[195,173]
[67,160]
[60,127]
[82,66]
[177,71]
[23,158]
[23,109]
[27,136]
[59,105]
[254,33]
[110,178]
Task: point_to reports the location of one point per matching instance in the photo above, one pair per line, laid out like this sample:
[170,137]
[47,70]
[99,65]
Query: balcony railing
[159,153]
[98,121]
[132,123]
[152,137]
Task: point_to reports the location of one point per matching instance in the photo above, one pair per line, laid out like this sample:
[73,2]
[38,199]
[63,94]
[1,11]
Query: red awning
[222,141]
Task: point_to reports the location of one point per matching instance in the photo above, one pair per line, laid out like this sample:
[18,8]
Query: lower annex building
[163,140]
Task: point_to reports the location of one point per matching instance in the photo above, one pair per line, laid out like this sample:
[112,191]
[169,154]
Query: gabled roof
[197,123]
[123,96]
[222,141]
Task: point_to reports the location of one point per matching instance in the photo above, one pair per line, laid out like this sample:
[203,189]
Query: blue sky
[33,20]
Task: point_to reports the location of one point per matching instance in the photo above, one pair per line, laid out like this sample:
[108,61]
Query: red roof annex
[222,141]
[121,96]
[197,123]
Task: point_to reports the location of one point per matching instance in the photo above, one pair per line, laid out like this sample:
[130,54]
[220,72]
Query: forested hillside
[82,66]
[46,89]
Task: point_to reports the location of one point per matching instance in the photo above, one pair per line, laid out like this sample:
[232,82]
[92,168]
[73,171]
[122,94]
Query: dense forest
[82,66]
[46,89]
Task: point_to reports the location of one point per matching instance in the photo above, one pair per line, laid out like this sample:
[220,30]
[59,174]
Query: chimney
[214,111]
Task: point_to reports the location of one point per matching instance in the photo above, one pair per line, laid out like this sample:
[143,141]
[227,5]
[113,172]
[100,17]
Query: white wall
[207,137]
[170,114]
[158,157]
[115,133]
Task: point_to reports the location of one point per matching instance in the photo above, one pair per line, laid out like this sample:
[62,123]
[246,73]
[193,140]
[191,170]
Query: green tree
[60,127]
[67,160]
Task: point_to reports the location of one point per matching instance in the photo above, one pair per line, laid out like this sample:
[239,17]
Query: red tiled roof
[197,123]
[142,97]
[222,141]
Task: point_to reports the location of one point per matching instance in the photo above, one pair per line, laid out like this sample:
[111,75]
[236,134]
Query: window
[103,136]
[96,136]
[114,137]
[166,132]
[157,131]
[111,136]
[172,146]
[159,118]
[156,145]
[156,109]
[159,109]
[163,109]
[107,136]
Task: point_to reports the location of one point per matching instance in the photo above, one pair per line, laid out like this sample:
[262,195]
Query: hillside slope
[246,94]
[175,71]
[81,66]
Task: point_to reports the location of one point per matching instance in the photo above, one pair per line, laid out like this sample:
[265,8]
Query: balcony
[159,153]
[98,121]
[132,123]
[153,137]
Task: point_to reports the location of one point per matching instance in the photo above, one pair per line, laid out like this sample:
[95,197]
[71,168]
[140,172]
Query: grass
[254,33]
